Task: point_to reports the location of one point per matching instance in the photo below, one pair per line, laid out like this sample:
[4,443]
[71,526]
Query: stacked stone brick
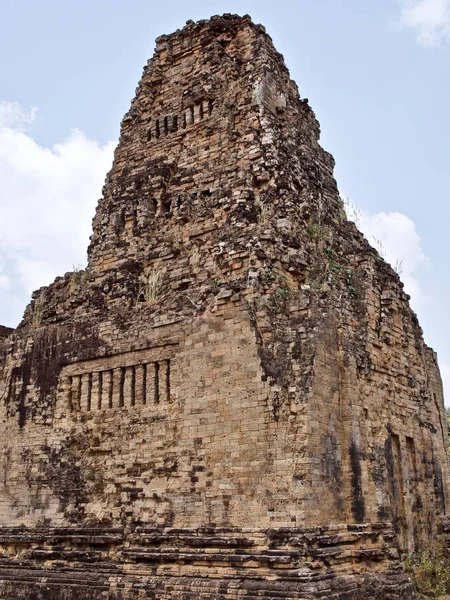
[234,400]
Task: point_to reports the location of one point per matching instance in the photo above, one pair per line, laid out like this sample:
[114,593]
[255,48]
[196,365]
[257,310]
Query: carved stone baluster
[76,392]
[164,381]
[151,388]
[128,387]
[139,385]
[96,391]
[86,387]
[118,381]
[67,392]
[107,389]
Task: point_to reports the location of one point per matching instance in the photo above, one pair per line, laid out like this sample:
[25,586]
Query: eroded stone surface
[234,399]
[5,331]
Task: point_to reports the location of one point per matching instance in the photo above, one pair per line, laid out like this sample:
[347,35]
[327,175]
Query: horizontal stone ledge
[55,536]
[66,576]
[314,529]
[315,537]
[199,542]
[66,555]
[174,556]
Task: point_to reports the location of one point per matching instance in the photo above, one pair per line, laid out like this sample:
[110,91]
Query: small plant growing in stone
[38,311]
[150,286]
[430,570]
[336,271]
[352,211]
[316,232]
[269,272]
[78,277]
[333,267]
[279,297]
[379,246]
[350,284]
[398,267]
[341,207]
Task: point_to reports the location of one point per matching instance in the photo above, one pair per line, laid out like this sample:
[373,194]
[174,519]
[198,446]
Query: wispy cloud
[5,282]
[47,201]
[13,116]
[429,19]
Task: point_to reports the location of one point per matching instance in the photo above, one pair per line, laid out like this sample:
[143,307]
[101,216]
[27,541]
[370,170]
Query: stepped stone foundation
[234,400]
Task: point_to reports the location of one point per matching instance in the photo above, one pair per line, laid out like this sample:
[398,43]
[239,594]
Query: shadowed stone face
[5,331]
[234,399]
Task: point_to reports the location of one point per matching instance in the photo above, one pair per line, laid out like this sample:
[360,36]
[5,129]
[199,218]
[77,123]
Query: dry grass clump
[150,285]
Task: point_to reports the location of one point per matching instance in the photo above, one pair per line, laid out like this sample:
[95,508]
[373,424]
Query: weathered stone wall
[5,331]
[234,399]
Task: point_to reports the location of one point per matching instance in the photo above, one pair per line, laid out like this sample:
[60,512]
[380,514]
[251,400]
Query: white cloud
[5,282]
[395,237]
[430,19]
[47,201]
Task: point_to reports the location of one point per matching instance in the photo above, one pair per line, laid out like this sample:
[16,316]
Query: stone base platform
[344,562]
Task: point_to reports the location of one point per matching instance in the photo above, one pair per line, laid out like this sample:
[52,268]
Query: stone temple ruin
[234,400]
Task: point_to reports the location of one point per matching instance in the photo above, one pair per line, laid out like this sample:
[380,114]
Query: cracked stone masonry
[234,399]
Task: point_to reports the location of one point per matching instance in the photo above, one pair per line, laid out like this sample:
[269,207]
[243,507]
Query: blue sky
[376,74]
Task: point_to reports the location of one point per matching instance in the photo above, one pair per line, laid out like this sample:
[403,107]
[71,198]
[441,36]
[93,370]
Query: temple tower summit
[234,399]
[216,123]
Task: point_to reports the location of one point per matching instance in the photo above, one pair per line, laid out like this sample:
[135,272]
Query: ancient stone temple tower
[234,400]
